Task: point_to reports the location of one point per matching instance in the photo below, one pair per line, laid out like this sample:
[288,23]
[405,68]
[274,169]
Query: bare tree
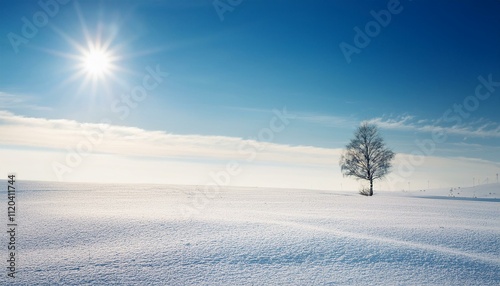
[366,156]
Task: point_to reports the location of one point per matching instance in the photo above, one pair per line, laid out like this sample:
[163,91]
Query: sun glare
[96,62]
[95,58]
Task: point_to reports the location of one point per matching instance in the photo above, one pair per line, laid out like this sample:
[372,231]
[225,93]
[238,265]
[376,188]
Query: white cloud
[9,101]
[62,134]
[479,128]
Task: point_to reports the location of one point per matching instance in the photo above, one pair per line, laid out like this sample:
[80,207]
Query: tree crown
[366,156]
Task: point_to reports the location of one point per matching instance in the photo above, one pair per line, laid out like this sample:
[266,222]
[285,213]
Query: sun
[95,58]
[96,62]
[96,65]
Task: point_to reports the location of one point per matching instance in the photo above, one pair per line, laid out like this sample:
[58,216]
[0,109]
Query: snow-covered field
[91,234]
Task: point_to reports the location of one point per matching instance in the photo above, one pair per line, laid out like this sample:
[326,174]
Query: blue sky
[230,65]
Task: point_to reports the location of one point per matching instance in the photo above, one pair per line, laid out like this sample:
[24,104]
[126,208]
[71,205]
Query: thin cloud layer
[61,134]
[478,128]
[328,120]
[9,101]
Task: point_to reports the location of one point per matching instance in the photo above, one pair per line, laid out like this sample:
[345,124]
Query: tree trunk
[371,187]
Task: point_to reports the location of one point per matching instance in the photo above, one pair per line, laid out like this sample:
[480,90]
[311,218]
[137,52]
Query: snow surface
[89,234]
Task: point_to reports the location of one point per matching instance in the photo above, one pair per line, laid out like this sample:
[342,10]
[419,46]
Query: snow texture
[90,234]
